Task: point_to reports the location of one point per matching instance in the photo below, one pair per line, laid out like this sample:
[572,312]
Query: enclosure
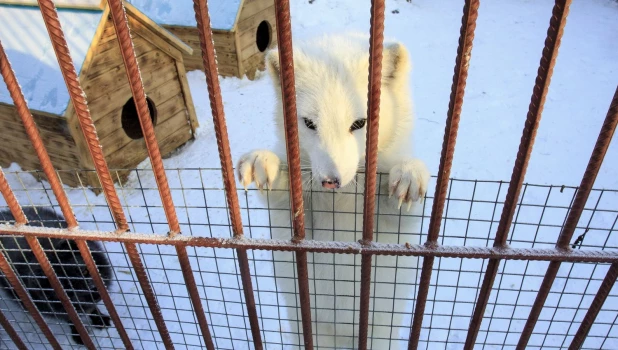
[194,262]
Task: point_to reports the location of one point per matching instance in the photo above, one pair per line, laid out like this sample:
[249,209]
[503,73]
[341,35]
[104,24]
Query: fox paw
[261,167]
[408,182]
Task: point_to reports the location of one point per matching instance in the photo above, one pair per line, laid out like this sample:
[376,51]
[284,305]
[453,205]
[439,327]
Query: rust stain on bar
[594,165]
[216,103]
[462,62]
[78,99]
[107,300]
[23,295]
[376,46]
[336,247]
[151,299]
[121,26]
[290,120]
[52,177]
[11,201]
[187,273]
[595,307]
[6,324]
[539,93]
[46,267]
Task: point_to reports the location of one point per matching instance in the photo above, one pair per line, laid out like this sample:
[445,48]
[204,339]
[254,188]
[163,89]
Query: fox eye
[358,124]
[309,123]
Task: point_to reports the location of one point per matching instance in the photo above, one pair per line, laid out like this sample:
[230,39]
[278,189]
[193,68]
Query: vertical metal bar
[595,307]
[149,294]
[78,98]
[288,91]
[583,192]
[6,324]
[462,62]
[216,103]
[187,273]
[48,168]
[376,45]
[121,25]
[546,67]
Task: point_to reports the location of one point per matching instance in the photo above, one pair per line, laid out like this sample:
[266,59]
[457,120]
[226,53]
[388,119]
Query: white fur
[331,75]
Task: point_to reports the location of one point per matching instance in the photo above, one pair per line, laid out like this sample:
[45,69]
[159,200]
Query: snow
[507,47]
[222,13]
[27,44]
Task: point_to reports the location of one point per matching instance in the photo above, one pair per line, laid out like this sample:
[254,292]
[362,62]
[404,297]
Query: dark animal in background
[68,264]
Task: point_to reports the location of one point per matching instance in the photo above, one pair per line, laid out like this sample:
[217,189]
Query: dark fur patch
[66,261]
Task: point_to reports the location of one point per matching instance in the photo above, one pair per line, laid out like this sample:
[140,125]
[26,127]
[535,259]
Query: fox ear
[395,63]
[272,65]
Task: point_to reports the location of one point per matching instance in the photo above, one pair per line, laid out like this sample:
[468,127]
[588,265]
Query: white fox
[331,75]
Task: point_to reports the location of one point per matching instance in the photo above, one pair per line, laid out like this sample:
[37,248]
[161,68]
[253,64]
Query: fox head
[331,76]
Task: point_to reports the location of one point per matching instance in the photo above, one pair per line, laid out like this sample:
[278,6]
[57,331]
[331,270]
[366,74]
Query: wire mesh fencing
[471,214]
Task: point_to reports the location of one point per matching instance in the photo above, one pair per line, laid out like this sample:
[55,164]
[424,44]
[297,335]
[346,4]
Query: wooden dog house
[242,31]
[96,55]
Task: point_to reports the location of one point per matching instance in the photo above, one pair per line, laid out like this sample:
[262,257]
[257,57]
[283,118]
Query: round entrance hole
[262,36]
[130,119]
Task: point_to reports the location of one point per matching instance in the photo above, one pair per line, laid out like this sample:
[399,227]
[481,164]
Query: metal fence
[242,311]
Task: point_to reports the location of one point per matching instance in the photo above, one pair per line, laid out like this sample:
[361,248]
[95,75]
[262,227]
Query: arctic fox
[331,75]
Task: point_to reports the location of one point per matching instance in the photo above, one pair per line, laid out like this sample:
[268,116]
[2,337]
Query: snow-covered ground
[507,47]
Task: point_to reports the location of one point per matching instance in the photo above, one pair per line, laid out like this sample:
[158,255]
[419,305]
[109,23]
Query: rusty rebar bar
[8,328]
[462,62]
[202,18]
[376,46]
[61,294]
[78,99]
[595,307]
[56,186]
[123,34]
[290,120]
[583,192]
[107,300]
[26,300]
[187,273]
[535,110]
[142,278]
[335,247]
[11,201]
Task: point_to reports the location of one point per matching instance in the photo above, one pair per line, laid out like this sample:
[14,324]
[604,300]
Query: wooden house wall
[225,47]
[107,88]
[253,13]
[15,145]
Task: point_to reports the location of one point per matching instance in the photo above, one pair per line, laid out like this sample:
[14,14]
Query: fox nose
[331,183]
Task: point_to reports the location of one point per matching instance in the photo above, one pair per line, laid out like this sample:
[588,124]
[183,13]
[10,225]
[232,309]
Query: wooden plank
[251,7]
[112,59]
[170,135]
[248,34]
[110,101]
[186,93]
[253,64]
[18,148]
[155,37]
[160,32]
[92,49]
[115,136]
[115,77]
[111,122]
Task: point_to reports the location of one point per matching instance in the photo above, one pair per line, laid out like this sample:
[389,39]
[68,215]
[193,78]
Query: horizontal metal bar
[336,247]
